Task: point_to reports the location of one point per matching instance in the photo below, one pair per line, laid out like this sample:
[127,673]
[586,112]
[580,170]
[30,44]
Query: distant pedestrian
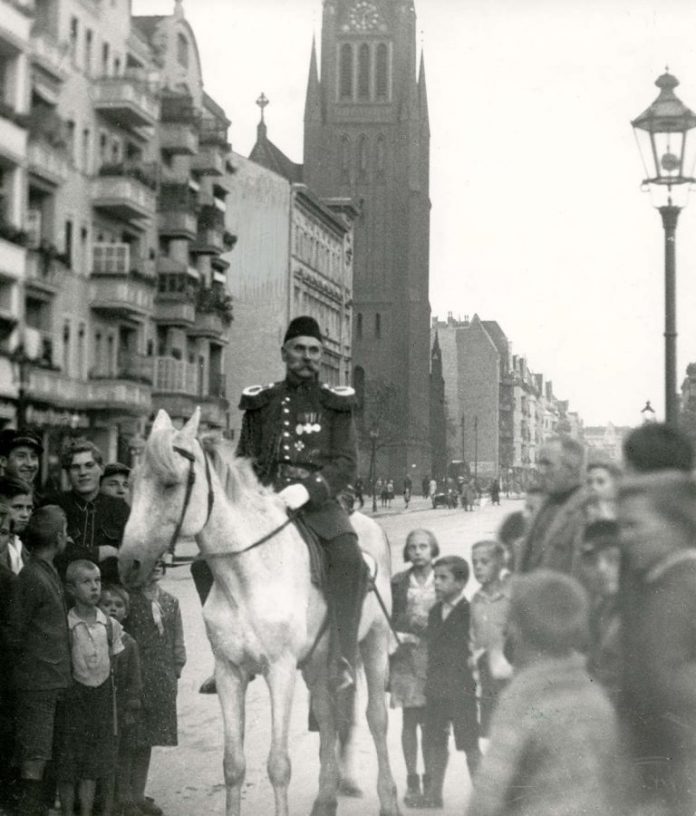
[554,746]
[432,488]
[359,491]
[450,689]
[413,593]
[408,486]
[424,486]
[495,492]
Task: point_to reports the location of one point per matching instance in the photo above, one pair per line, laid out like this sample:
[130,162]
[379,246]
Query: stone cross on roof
[262,101]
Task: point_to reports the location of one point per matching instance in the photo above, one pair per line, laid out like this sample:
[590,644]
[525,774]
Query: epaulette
[337,397]
[256,396]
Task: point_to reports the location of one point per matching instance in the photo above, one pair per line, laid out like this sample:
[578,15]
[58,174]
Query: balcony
[214,134]
[209,161]
[130,366]
[126,191]
[178,138]
[49,163]
[49,54]
[213,313]
[55,388]
[12,258]
[176,377]
[45,272]
[178,224]
[15,20]
[126,101]
[122,296]
[208,241]
[175,309]
[13,134]
[119,395]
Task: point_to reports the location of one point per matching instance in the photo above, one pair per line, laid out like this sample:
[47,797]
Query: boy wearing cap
[20,454]
[19,498]
[114,481]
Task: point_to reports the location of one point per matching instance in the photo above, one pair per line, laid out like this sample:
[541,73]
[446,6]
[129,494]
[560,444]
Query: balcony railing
[127,100]
[121,295]
[53,56]
[144,172]
[129,366]
[176,376]
[212,133]
[123,196]
[44,271]
[178,138]
[208,241]
[209,161]
[47,162]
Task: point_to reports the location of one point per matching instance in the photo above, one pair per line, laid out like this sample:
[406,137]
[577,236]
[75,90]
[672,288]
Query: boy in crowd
[114,481]
[554,744]
[42,652]
[489,608]
[601,558]
[86,745]
[20,455]
[19,497]
[450,690]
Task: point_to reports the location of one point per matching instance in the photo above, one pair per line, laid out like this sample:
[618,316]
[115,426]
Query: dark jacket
[554,539]
[40,630]
[449,651]
[303,432]
[93,524]
[658,694]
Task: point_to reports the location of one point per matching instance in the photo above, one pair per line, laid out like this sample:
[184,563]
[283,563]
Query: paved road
[187,780]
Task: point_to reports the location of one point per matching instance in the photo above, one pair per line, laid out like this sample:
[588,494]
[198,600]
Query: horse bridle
[190,481]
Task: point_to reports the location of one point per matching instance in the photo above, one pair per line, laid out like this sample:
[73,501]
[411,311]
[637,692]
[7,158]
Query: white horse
[263,615]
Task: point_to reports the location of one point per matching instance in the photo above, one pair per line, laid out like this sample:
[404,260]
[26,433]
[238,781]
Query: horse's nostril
[135,566]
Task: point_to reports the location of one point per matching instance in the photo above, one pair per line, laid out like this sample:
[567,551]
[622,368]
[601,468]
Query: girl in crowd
[154,621]
[601,480]
[413,593]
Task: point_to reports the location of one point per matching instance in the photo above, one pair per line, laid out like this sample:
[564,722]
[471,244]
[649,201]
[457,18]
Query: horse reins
[191,480]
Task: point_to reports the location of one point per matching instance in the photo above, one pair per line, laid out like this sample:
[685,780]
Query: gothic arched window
[346,72]
[362,155]
[345,158]
[359,386]
[379,155]
[382,72]
[364,72]
[378,325]
[359,325]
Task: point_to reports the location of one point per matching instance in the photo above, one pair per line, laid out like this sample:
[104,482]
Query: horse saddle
[317,558]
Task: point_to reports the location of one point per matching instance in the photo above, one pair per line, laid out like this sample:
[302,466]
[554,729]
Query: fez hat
[115,469]
[11,439]
[303,326]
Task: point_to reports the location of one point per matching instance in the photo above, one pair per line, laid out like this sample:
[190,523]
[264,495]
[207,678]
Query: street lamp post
[668,150]
[374,436]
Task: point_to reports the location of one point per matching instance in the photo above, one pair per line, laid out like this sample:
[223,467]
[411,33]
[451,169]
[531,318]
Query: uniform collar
[294,382]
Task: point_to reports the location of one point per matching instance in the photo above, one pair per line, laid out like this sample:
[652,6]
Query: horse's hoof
[350,788]
[324,808]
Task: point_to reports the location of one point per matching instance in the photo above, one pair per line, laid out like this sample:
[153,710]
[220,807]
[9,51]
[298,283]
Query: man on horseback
[301,437]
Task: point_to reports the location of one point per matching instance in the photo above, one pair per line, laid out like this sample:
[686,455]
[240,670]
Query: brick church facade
[367,139]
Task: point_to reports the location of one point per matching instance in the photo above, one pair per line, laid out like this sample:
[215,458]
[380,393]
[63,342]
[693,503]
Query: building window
[74,34]
[380,155]
[346,72]
[362,156]
[105,59]
[182,50]
[70,133]
[364,72]
[86,164]
[359,326]
[378,325]
[345,158]
[88,51]
[66,347]
[382,72]
[359,386]
[69,241]
[117,66]
[81,351]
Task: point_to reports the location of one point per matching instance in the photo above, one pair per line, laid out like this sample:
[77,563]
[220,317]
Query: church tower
[367,138]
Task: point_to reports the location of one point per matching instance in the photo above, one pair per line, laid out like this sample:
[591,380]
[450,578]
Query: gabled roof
[148,24]
[268,155]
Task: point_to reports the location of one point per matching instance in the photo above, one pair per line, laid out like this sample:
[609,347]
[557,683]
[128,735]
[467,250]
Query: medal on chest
[307,423]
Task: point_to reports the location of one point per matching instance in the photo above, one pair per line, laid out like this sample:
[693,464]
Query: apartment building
[119,194]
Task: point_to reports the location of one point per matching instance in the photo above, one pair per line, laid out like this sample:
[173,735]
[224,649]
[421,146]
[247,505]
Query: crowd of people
[575,660]
[88,669]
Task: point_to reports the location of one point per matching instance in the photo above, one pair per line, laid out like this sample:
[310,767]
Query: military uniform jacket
[299,431]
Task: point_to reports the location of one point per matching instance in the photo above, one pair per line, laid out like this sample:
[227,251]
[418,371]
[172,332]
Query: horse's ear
[162,421]
[190,430]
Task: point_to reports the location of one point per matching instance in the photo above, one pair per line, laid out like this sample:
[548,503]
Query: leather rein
[190,481]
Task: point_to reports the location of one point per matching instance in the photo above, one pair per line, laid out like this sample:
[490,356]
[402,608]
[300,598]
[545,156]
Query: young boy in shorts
[87,743]
[450,690]
[42,652]
[489,609]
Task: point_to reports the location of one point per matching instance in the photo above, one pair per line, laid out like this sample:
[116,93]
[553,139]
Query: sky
[538,220]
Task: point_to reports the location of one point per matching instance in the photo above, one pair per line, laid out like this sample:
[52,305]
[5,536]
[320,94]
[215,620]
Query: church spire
[313,98]
[262,101]
[423,94]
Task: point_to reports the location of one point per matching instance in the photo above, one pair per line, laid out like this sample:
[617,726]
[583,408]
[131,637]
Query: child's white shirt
[91,662]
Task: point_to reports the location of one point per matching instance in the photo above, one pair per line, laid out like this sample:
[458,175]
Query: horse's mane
[236,475]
